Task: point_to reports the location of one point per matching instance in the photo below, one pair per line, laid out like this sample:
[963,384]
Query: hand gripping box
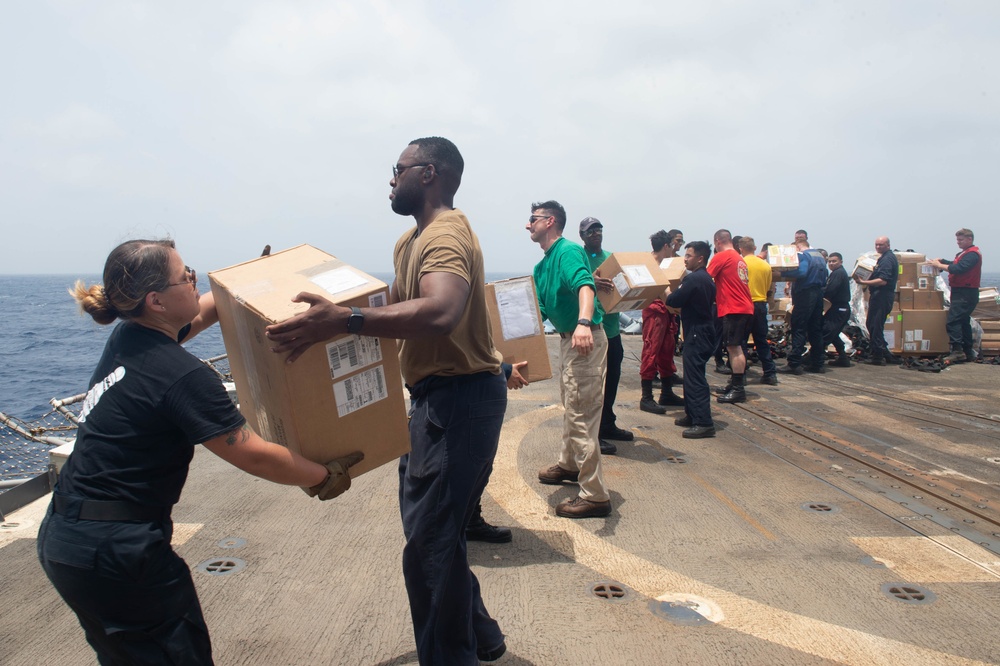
[516,322]
[342,396]
[637,278]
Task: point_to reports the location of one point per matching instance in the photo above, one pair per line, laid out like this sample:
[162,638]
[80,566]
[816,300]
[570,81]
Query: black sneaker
[481,530]
[698,432]
[614,432]
[683,421]
[770,380]
[649,405]
[607,448]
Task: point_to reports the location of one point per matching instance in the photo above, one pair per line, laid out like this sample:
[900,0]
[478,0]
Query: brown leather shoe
[555,475]
[583,508]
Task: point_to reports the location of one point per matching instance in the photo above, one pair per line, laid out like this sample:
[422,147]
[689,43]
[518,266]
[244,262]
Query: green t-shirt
[612,322]
[558,278]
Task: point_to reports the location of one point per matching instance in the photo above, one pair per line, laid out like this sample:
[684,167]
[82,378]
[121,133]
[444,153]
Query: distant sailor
[838,292]
[760,290]
[881,294]
[694,298]
[592,234]
[567,298]
[964,277]
[735,309]
[105,542]
[807,311]
[659,336]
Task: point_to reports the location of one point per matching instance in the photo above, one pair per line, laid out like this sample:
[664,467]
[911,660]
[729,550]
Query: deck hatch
[609,590]
[223,566]
[909,594]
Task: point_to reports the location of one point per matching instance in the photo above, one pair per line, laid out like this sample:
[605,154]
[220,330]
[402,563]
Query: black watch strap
[584,322]
[355,321]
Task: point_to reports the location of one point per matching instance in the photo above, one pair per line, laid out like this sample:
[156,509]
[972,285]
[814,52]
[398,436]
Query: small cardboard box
[864,267]
[638,281]
[517,328]
[783,256]
[673,268]
[904,296]
[342,396]
[924,331]
[928,300]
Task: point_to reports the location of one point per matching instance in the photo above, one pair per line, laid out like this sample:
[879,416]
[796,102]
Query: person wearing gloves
[105,540]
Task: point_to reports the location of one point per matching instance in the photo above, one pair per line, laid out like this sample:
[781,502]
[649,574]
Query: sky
[231,125]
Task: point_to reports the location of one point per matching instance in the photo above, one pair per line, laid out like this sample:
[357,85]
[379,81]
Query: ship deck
[845,518]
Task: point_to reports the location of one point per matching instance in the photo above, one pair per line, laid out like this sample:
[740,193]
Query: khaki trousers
[582,391]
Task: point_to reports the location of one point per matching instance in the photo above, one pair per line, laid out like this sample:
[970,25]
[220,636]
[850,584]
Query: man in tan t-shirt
[457,390]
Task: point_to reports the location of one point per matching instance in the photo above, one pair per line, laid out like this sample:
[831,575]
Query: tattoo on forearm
[238,436]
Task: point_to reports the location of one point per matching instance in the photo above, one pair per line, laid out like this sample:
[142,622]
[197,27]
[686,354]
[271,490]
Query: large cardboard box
[516,321]
[907,276]
[928,300]
[924,331]
[638,281]
[989,304]
[673,269]
[342,396]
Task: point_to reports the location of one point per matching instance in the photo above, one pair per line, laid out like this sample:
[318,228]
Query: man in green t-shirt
[567,299]
[592,233]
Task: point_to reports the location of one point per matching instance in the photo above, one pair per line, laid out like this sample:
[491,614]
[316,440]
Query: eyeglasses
[192,278]
[396,169]
[593,231]
[533,218]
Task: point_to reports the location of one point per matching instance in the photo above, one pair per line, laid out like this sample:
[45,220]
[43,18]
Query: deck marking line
[719,495]
[797,632]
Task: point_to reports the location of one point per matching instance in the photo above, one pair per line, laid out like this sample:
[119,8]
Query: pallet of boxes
[780,258]
[916,325]
[987,313]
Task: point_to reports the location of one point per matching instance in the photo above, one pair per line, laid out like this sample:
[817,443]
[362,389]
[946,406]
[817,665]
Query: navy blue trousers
[963,301]
[132,594]
[455,427]
[833,323]
[699,347]
[616,353]
[807,324]
[879,306]
[760,342]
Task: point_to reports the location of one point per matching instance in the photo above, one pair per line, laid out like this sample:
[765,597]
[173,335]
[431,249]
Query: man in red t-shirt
[735,308]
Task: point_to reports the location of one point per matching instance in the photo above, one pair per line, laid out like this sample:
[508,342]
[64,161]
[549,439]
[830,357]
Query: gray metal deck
[781,533]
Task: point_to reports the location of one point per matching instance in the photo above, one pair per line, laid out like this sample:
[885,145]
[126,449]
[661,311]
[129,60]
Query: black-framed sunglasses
[396,169]
[192,278]
[533,218]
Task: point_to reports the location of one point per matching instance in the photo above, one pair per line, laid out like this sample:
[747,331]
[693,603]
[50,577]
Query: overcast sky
[229,125]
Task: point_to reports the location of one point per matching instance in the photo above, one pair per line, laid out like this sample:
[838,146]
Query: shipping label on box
[783,256]
[907,276]
[674,270]
[637,278]
[339,397]
[516,322]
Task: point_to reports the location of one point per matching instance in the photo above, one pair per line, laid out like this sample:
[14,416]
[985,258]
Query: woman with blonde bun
[105,541]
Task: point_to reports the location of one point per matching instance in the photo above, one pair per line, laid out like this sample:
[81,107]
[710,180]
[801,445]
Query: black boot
[724,389]
[647,403]
[737,393]
[480,530]
[668,398]
[842,361]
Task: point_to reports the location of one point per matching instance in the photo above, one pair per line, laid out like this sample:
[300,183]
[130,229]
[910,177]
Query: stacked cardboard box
[991,337]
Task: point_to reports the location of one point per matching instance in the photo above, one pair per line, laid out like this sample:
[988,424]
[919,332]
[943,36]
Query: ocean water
[49,350]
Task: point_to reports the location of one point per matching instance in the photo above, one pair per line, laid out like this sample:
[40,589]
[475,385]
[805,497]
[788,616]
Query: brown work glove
[338,480]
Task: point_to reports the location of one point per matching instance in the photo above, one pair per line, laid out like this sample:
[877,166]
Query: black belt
[82,509]
[570,334]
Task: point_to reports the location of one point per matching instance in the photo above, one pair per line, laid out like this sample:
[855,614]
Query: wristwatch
[355,321]
[583,322]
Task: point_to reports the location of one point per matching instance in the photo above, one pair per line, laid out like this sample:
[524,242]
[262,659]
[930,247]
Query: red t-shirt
[732,283]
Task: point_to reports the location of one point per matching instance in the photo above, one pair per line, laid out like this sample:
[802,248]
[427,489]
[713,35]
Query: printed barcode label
[378,300]
[351,353]
[360,391]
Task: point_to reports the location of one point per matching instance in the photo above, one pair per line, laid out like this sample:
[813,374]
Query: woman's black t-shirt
[150,403]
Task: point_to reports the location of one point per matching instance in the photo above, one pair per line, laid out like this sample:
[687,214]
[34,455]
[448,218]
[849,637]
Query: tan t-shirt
[447,245]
